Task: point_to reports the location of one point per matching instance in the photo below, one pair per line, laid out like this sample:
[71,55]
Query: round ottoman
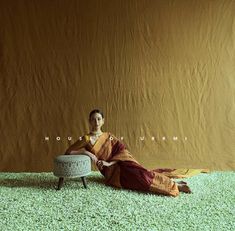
[72,166]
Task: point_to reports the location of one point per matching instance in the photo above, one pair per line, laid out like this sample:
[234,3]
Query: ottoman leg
[84,181]
[60,183]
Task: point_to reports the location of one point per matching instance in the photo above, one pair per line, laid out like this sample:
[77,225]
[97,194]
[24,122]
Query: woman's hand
[91,155]
[83,151]
[101,163]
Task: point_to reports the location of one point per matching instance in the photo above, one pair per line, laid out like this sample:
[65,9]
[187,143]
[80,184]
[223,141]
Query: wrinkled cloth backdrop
[156,69]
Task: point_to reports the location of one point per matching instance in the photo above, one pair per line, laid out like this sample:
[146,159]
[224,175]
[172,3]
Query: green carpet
[29,202]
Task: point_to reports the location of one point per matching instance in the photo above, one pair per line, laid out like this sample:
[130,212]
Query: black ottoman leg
[84,181]
[60,183]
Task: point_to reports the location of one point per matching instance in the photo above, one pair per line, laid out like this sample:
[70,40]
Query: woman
[117,164]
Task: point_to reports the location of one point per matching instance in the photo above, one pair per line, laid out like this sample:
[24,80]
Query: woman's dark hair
[96,111]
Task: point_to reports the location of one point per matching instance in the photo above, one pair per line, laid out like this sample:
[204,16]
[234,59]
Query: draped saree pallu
[126,172]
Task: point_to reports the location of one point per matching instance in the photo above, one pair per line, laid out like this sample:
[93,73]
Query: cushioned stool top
[72,165]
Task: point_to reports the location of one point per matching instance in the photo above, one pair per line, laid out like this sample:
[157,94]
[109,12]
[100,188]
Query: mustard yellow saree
[127,172]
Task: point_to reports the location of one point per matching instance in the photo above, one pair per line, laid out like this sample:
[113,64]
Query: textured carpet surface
[29,201]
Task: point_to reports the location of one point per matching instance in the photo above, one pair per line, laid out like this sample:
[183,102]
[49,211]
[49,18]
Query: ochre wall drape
[156,68]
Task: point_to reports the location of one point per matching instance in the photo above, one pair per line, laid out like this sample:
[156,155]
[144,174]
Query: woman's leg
[134,176]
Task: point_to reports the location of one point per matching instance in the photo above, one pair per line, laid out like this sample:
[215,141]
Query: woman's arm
[78,145]
[101,163]
[79,151]
[71,152]
[83,151]
[110,163]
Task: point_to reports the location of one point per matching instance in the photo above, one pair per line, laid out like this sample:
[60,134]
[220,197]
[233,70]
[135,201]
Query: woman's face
[96,121]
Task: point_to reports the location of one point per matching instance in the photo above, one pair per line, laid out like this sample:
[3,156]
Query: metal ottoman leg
[60,183]
[84,181]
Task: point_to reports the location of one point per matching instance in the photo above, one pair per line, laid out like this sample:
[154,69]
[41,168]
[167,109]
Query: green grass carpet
[28,201]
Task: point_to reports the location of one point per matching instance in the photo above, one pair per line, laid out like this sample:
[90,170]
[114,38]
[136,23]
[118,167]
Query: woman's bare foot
[184,188]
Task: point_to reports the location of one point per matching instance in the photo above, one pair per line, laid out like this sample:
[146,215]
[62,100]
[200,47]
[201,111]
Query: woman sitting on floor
[118,166]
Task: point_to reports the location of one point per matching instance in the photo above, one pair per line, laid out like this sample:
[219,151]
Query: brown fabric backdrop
[156,68]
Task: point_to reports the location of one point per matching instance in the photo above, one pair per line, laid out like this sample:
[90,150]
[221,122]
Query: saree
[127,172]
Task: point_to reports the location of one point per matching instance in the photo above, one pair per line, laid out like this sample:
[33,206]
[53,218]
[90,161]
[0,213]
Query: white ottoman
[72,166]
